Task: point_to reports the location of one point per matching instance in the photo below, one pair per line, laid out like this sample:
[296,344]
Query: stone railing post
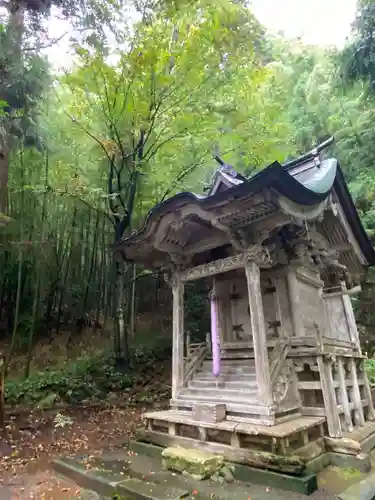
[258,329]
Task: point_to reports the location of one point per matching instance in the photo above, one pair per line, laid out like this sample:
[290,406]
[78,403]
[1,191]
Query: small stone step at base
[198,463]
[234,385]
[220,395]
[105,484]
[226,369]
[239,395]
[304,484]
[238,412]
[226,377]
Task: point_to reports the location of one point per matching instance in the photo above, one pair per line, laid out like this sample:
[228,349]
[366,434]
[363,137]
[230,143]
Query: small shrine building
[282,367]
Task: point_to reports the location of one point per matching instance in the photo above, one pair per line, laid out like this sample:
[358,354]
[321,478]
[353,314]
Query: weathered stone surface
[343,445]
[195,462]
[360,462]
[311,450]
[217,478]
[231,467]
[227,474]
[89,495]
[209,412]
[253,458]
[364,490]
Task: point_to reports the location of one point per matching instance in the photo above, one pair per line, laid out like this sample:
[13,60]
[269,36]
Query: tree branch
[76,197]
[184,173]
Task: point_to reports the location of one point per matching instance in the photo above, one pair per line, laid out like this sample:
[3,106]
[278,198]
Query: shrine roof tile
[306,191]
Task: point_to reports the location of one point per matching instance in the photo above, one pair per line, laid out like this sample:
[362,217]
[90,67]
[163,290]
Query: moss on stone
[193,462]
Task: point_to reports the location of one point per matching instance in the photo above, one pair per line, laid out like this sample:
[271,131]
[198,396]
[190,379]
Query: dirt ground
[31,441]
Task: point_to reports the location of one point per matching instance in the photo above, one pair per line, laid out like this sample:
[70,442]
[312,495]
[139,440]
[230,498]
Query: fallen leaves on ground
[31,441]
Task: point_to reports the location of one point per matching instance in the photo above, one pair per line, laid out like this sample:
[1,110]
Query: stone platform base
[361,440]
[239,441]
[286,447]
[305,482]
[138,474]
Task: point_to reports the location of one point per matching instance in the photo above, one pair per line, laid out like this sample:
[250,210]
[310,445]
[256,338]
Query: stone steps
[111,483]
[222,395]
[236,384]
[230,369]
[236,407]
[233,373]
[226,377]
[233,384]
[232,365]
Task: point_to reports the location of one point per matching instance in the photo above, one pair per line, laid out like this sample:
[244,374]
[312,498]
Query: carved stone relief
[255,253]
[172,279]
[180,261]
[301,363]
[336,318]
[282,383]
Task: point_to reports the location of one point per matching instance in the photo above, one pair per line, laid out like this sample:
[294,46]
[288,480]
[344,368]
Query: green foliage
[190,79]
[197,310]
[90,377]
[370,370]
[133,123]
[87,378]
[358,58]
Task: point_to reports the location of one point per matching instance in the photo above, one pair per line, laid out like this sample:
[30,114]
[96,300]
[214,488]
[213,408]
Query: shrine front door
[234,315]
[235,324]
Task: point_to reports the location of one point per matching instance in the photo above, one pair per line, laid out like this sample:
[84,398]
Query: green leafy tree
[191,79]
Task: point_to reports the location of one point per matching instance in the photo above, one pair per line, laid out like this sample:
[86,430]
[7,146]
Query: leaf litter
[32,440]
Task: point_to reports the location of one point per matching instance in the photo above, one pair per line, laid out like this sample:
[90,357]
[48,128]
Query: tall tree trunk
[92,262]
[4,173]
[121,331]
[14,35]
[132,302]
[63,284]
[19,273]
[38,263]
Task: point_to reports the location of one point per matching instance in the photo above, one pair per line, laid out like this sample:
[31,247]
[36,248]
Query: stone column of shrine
[258,329]
[178,335]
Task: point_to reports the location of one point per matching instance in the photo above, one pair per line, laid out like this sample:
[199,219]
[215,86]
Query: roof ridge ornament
[312,154]
[225,167]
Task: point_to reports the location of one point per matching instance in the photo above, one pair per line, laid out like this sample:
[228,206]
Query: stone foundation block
[197,463]
[209,413]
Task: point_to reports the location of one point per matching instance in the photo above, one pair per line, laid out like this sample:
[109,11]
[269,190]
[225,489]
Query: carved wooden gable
[309,193]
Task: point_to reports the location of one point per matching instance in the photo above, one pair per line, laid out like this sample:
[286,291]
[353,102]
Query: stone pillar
[178,335]
[329,396]
[348,308]
[258,329]
[295,304]
[219,293]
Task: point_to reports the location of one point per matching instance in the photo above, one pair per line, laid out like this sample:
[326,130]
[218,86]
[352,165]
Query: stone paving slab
[142,477]
[110,472]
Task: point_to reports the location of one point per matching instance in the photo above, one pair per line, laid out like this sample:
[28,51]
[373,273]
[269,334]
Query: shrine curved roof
[310,189]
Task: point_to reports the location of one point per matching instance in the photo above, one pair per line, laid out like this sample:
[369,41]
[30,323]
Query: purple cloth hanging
[215,341]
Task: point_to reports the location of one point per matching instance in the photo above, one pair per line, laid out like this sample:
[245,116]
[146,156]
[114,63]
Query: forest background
[155,89]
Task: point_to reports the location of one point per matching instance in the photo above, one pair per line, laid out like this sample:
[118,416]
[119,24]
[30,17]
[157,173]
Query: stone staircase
[236,387]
